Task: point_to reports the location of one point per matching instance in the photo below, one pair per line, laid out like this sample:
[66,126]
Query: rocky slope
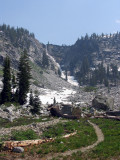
[12,43]
[97,48]
[103,48]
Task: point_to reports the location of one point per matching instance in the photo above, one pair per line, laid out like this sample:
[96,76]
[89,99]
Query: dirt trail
[100,138]
[38,127]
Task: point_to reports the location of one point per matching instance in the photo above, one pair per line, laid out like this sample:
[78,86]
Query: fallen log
[11,144]
[109,117]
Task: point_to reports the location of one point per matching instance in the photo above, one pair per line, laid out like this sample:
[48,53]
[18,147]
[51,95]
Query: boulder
[65,111]
[18,149]
[101,102]
[10,118]
[10,109]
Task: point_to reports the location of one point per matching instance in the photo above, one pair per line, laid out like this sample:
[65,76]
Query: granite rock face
[101,102]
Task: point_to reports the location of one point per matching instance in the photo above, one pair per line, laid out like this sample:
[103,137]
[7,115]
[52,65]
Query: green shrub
[8,104]
[1,72]
[36,83]
[90,89]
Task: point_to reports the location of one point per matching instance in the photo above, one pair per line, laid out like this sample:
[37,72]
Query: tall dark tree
[36,103]
[59,72]
[54,101]
[45,61]
[24,77]
[14,83]
[115,73]
[31,101]
[6,92]
[66,74]
[108,71]
[13,87]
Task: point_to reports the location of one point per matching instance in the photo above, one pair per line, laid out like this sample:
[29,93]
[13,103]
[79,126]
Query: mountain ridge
[94,50]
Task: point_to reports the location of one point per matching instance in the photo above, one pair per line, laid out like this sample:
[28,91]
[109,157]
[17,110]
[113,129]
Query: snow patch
[71,80]
[119,69]
[60,96]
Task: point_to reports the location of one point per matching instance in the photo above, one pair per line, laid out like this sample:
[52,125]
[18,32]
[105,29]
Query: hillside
[93,60]
[98,48]
[90,55]
[14,41]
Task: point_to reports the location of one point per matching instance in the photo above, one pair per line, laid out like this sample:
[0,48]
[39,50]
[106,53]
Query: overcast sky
[62,21]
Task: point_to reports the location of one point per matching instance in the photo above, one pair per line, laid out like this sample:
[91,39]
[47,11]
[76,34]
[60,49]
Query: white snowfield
[71,79]
[47,96]
[61,96]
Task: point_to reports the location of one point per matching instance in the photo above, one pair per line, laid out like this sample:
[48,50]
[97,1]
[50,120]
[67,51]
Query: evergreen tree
[93,80]
[100,73]
[54,101]
[59,72]
[14,83]
[13,87]
[106,82]
[36,104]
[24,77]
[31,101]
[45,61]
[6,92]
[66,75]
[115,73]
[108,71]
[16,96]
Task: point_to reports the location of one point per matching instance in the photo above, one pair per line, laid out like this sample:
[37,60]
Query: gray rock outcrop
[65,111]
[18,149]
[101,102]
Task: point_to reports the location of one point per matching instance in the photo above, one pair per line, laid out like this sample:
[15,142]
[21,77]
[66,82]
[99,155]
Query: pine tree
[14,83]
[59,72]
[45,61]
[106,82]
[6,92]
[13,87]
[16,96]
[31,101]
[108,71]
[54,101]
[66,75]
[36,104]
[24,77]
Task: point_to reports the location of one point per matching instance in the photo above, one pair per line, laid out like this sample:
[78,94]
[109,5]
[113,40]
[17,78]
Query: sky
[62,21]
